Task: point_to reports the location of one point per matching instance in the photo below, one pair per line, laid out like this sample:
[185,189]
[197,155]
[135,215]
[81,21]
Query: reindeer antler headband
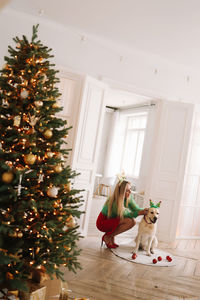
[121,177]
[154,205]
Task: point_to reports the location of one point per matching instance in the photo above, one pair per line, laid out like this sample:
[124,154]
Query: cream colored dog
[146,237]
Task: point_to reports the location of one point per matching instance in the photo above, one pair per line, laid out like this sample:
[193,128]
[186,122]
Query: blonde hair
[118,197]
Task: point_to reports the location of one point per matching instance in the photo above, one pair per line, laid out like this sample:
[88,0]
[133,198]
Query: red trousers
[107,225]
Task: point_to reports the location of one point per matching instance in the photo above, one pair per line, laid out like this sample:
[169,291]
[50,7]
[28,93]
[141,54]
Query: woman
[118,213]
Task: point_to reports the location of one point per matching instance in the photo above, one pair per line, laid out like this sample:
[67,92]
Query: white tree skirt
[125,251]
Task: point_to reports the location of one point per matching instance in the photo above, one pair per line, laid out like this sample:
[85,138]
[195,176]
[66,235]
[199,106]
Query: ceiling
[169,29]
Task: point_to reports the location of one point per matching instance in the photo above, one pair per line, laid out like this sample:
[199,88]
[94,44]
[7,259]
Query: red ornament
[159,258]
[154,261]
[134,256]
[167,257]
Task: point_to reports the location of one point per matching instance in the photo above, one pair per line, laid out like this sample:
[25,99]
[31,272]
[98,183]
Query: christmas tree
[38,207]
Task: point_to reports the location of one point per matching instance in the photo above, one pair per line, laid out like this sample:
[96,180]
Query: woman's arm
[143,212]
[132,211]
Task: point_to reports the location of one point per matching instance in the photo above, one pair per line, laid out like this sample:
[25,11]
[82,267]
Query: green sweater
[129,212]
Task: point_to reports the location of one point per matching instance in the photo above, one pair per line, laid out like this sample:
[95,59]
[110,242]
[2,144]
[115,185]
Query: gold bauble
[52,191]
[29,159]
[67,248]
[16,121]
[38,103]
[48,134]
[56,105]
[33,144]
[70,222]
[9,276]
[68,186]
[58,168]
[43,78]
[20,234]
[50,154]
[14,234]
[24,94]
[7,177]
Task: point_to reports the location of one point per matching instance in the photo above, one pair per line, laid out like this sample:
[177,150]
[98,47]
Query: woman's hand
[143,212]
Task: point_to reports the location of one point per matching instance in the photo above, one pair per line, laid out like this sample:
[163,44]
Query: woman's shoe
[116,245]
[108,245]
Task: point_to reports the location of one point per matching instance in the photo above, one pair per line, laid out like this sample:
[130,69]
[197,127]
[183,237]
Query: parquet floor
[107,277]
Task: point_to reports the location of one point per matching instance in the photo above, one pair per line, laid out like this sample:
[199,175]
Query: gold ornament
[33,144]
[68,186]
[7,177]
[17,120]
[43,78]
[56,105]
[50,154]
[52,191]
[58,168]
[24,94]
[38,103]
[9,276]
[70,222]
[48,134]
[30,159]
[67,248]
[20,234]
[14,234]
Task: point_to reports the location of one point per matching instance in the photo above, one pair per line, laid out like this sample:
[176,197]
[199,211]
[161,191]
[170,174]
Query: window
[135,126]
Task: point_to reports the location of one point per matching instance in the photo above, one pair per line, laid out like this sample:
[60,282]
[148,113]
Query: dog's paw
[134,250]
[148,254]
[152,252]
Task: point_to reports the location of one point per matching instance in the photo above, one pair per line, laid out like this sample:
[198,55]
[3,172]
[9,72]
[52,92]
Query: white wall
[143,73]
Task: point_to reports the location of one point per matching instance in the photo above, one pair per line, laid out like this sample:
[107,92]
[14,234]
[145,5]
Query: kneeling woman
[118,213]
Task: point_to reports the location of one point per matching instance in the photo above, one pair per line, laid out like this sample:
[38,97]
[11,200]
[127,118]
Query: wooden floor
[107,277]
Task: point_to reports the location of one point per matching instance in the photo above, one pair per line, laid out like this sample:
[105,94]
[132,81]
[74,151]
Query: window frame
[127,117]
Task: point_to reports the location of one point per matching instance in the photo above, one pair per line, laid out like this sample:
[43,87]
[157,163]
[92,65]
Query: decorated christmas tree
[38,205]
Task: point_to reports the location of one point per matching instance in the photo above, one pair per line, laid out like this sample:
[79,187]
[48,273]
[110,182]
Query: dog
[146,238]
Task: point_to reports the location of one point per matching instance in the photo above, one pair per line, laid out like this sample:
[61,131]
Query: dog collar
[146,220]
